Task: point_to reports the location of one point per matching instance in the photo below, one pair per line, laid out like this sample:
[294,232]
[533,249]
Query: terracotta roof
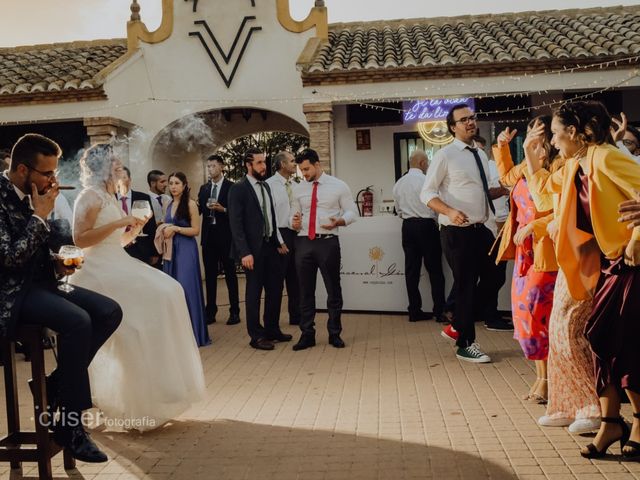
[494,42]
[56,68]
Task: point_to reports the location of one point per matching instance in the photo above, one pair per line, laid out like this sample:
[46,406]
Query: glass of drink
[141,209]
[72,257]
[212,215]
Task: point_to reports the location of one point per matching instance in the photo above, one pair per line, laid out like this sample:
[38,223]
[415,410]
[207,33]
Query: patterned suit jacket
[24,254]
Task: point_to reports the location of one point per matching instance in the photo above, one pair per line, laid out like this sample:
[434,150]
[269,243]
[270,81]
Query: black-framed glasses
[470,118]
[47,175]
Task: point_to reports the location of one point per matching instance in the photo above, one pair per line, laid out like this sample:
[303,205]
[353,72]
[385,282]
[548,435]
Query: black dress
[613,330]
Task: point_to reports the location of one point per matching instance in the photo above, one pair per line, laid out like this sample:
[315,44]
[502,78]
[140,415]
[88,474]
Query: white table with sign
[372,273]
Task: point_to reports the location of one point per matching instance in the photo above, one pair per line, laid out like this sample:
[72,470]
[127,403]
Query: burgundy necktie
[312,212]
[124,205]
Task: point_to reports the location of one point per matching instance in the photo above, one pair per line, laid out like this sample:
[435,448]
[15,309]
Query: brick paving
[394,404]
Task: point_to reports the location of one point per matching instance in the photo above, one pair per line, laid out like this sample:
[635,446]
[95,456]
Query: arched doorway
[184,144]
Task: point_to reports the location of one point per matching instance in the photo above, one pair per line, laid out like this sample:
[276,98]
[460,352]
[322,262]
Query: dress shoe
[79,444]
[52,393]
[336,341]
[262,344]
[306,341]
[280,337]
[419,316]
[234,319]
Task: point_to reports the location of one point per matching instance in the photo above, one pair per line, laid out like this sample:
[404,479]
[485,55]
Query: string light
[369,99]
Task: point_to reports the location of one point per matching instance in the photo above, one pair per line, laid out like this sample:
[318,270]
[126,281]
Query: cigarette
[66,187]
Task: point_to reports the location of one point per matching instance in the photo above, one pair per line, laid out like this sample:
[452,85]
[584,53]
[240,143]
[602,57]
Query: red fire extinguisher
[366,202]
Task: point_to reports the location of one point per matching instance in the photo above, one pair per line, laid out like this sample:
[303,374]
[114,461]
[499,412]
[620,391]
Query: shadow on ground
[232,449]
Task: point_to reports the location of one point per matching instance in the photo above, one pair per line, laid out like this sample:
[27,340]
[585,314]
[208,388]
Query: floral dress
[531,291]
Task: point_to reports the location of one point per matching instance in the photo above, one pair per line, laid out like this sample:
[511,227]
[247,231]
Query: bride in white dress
[149,371]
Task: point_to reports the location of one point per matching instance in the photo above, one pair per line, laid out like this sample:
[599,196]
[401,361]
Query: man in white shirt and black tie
[457,187]
[282,186]
[320,206]
[420,238]
[157,182]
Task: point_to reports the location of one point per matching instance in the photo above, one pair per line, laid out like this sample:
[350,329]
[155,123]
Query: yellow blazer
[544,255]
[613,177]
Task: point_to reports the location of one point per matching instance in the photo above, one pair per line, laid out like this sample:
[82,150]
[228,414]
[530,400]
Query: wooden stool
[21,446]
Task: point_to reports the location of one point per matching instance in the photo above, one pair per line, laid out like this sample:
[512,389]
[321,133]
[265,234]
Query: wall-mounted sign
[432,109]
[363,139]
[221,58]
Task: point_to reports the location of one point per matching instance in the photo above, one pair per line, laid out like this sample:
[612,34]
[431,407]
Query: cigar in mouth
[66,187]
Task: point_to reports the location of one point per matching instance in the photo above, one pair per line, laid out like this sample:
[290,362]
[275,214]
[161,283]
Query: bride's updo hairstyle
[590,119]
[95,165]
[182,212]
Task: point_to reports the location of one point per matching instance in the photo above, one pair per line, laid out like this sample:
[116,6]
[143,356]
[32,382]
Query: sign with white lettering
[432,109]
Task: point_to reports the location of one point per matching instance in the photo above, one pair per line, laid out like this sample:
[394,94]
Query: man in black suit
[257,243]
[84,320]
[143,248]
[216,240]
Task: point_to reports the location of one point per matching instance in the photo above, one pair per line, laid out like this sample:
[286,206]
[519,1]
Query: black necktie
[483,177]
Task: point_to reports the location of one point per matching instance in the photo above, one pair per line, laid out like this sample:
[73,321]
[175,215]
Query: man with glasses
[627,137]
[457,187]
[83,320]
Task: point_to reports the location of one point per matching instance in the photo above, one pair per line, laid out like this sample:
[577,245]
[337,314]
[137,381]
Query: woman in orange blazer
[524,239]
[600,256]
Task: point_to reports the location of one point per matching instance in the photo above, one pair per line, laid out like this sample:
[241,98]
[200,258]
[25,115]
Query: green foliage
[269,142]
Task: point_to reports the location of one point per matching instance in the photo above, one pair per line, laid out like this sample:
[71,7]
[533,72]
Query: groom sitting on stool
[83,320]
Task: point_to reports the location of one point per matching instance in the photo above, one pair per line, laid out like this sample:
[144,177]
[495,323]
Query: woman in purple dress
[184,266]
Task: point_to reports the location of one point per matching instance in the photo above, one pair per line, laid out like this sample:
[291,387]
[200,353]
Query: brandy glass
[72,257]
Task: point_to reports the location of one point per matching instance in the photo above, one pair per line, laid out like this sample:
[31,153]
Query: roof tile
[563,35]
[56,67]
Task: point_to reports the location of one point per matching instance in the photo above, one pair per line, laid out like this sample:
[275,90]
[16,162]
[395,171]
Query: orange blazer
[544,255]
[613,178]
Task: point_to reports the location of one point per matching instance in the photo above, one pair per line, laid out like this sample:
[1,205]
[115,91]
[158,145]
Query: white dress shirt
[454,178]
[334,200]
[406,196]
[159,204]
[258,189]
[277,184]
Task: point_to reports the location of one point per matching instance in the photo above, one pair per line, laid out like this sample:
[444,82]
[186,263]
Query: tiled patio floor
[394,404]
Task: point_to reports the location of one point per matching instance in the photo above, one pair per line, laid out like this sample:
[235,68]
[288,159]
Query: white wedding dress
[149,371]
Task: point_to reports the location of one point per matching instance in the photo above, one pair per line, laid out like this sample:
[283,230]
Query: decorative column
[320,120]
[104,129]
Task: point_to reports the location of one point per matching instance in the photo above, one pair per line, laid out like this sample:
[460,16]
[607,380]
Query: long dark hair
[552,152]
[182,212]
[590,119]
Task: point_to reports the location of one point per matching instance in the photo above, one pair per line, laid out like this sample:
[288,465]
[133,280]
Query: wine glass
[141,209]
[72,257]
[212,214]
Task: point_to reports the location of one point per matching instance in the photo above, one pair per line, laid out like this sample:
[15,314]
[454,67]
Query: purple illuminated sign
[432,109]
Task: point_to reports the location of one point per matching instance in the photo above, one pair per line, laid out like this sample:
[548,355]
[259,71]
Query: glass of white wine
[211,201]
[141,209]
[72,257]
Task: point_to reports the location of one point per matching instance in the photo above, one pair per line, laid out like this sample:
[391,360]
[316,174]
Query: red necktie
[312,212]
[124,205]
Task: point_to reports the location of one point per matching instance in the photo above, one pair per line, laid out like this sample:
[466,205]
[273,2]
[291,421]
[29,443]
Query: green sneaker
[473,354]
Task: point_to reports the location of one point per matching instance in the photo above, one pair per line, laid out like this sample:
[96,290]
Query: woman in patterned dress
[525,239]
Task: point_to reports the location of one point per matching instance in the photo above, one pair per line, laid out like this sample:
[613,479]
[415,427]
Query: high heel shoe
[592,450]
[633,454]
